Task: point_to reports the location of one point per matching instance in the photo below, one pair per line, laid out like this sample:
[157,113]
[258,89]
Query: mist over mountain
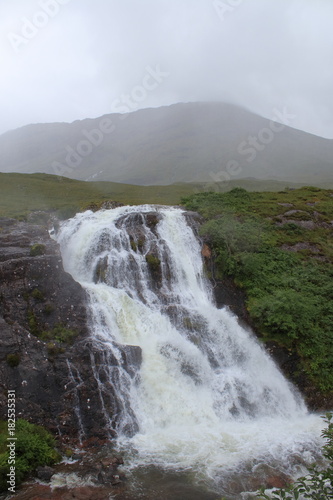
[189,142]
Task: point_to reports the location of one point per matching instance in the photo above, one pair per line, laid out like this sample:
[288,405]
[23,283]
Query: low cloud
[260,54]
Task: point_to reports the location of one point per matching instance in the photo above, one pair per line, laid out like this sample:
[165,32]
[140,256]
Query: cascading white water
[207,395]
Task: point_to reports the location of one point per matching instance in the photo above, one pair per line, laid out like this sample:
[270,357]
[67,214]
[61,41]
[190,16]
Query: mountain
[190,142]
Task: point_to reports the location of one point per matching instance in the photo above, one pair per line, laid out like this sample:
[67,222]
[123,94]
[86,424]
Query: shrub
[54,349]
[35,446]
[59,334]
[134,246]
[63,335]
[153,262]
[13,360]
[37,295]
[33,323]
[37,249]
[141,243]
[48,309]
[284,312]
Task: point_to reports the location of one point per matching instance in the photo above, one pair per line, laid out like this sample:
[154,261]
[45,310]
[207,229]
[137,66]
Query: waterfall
[206,396]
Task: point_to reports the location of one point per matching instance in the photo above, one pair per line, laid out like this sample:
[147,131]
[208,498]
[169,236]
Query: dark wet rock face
[46,354]
[194,220]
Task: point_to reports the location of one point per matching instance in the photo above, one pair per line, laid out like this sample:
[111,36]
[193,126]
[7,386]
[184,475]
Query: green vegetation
[33,323]
[13,360]
[153,262]
[21,194]
[141,244]
[48,309]
[60,334]
[318,484]
[37,249]
[54,349]
[134,246]
[284,266]
[38,295]
[34,447]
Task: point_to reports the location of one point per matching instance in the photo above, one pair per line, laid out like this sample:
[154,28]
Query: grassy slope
[289,293]
[289,289]
[23,193]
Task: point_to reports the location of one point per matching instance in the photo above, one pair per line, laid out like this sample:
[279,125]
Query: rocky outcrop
[46,353]
[303,219]
[92,475]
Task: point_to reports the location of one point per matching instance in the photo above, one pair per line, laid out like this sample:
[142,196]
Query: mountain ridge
[191,142]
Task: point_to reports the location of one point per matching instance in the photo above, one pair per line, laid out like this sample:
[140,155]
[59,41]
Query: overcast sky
[63,60]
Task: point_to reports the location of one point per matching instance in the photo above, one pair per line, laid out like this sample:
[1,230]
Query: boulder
[45,473]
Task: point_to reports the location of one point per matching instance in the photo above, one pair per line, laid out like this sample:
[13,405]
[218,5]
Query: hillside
[181,143]
[276,248]
[24,193]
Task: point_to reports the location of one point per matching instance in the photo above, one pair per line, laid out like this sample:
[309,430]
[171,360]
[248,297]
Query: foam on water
[208,396]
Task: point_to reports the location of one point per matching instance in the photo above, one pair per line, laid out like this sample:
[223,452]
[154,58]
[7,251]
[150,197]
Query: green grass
[289,293]
[21,194]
